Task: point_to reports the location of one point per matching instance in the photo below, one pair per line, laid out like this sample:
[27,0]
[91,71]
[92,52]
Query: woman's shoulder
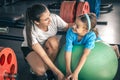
[53,15]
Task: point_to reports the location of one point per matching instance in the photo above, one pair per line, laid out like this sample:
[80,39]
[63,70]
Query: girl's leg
[115,47]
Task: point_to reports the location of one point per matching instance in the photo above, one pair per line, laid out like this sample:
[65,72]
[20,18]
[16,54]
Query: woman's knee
[52,47]
[52,43]
[36,63]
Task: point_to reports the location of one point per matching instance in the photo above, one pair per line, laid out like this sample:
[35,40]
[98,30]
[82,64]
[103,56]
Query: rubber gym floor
[10,14]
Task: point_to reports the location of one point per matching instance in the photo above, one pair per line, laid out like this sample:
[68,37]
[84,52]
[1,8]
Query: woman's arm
[68,26]
[38,49]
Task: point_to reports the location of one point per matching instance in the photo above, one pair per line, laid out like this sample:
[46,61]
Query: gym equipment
[101,22]
[97,7]
[55,5]
[74,9]
[8,64]
[106,7]
[70,9]
[7,2]
[4,30]
[67,11]
[11,21]
[78,7]
[10,37]
[82,8]
[101,63]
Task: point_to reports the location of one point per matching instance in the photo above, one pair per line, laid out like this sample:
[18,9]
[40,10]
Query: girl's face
[45,19]
[79,27]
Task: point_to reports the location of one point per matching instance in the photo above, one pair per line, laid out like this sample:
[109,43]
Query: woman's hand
[60,76]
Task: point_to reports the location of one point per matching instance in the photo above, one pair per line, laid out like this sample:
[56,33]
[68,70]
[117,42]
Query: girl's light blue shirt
[88,40]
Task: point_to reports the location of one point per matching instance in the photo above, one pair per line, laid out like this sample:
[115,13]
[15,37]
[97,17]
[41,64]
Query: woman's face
[79,27]
[45,19]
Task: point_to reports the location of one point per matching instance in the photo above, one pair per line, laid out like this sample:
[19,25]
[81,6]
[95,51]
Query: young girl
[40,44]
[83,32]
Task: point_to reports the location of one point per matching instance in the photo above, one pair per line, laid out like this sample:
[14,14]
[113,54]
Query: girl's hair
[93,21]
[33,14]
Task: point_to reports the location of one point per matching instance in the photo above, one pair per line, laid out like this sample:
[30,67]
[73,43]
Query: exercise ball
[101,64]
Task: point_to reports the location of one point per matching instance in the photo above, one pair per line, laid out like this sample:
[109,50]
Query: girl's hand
[68,76]
[73,77]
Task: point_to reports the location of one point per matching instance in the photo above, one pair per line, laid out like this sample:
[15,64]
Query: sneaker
[43,77]
[31,71]
[40,77]
[116,49]
[50,75]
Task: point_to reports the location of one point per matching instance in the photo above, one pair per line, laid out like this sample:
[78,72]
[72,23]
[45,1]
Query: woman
[40,44]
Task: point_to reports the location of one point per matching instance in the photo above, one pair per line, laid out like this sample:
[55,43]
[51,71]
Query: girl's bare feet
[115,47]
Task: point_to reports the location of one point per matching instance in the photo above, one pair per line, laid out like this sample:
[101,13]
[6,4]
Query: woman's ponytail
[29,24]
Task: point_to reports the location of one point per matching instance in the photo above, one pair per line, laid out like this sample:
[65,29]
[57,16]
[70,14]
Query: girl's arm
[38,49]
[82,61]
[68,63]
